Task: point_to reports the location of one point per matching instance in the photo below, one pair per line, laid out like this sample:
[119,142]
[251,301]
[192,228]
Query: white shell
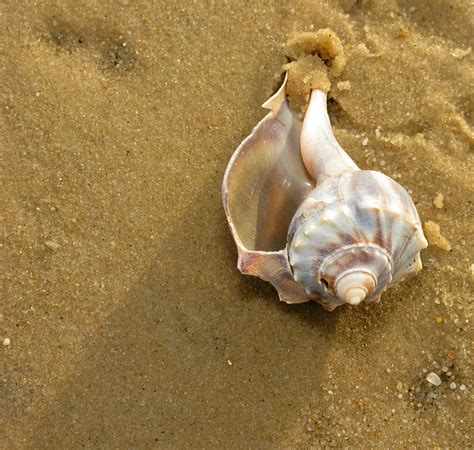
[343,240]
[359,221]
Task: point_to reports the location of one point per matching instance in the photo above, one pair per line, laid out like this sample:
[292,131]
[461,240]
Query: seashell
[306,219]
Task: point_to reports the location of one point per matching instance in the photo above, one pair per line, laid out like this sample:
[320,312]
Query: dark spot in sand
[111,51]
[353,6]
[117,55]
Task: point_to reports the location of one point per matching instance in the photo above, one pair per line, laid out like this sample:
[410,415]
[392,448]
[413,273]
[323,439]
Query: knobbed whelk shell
[308,220]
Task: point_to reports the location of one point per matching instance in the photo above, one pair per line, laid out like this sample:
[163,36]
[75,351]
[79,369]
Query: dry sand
[124,320]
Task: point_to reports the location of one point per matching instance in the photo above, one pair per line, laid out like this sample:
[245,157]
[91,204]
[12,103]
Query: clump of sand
[434,236]
[438,202]
[315,59]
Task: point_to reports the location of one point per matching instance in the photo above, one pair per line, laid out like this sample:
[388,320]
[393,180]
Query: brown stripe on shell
[382,237]
[361,236]
[346,239]
[323,253]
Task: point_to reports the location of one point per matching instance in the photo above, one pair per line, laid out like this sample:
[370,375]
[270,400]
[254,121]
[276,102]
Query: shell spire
[353,287]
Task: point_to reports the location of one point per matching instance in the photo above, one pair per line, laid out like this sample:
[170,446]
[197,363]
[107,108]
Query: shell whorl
[353,236]
[355,285]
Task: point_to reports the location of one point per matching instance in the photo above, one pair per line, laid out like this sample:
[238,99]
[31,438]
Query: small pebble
[51,245]
[462,387]
[6,342]
[344,85]
[439,201]
[229,362]
[459,53]
[452,385]
[433,379]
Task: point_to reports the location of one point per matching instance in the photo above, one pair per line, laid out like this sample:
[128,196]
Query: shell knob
[354,286]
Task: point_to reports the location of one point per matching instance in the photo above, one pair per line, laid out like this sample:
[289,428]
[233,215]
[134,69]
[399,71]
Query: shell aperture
[305,218]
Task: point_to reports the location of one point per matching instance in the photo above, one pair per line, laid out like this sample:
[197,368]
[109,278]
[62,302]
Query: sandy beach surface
[124,322]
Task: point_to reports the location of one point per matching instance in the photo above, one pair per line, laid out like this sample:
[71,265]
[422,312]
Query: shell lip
[274,103]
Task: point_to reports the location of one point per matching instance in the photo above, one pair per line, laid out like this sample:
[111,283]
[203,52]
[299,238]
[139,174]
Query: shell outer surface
[359,219]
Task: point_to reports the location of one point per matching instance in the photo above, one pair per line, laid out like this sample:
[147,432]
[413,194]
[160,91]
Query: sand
[316,59]
[124,320]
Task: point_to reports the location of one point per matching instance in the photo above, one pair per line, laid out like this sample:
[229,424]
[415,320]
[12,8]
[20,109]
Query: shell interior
[266,180]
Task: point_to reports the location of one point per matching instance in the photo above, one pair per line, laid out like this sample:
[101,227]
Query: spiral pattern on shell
[353,236]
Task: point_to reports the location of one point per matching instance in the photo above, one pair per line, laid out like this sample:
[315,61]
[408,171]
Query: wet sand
[124,320]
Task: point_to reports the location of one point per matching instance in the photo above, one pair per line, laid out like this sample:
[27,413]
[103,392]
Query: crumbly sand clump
[315,58]
[434,236]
